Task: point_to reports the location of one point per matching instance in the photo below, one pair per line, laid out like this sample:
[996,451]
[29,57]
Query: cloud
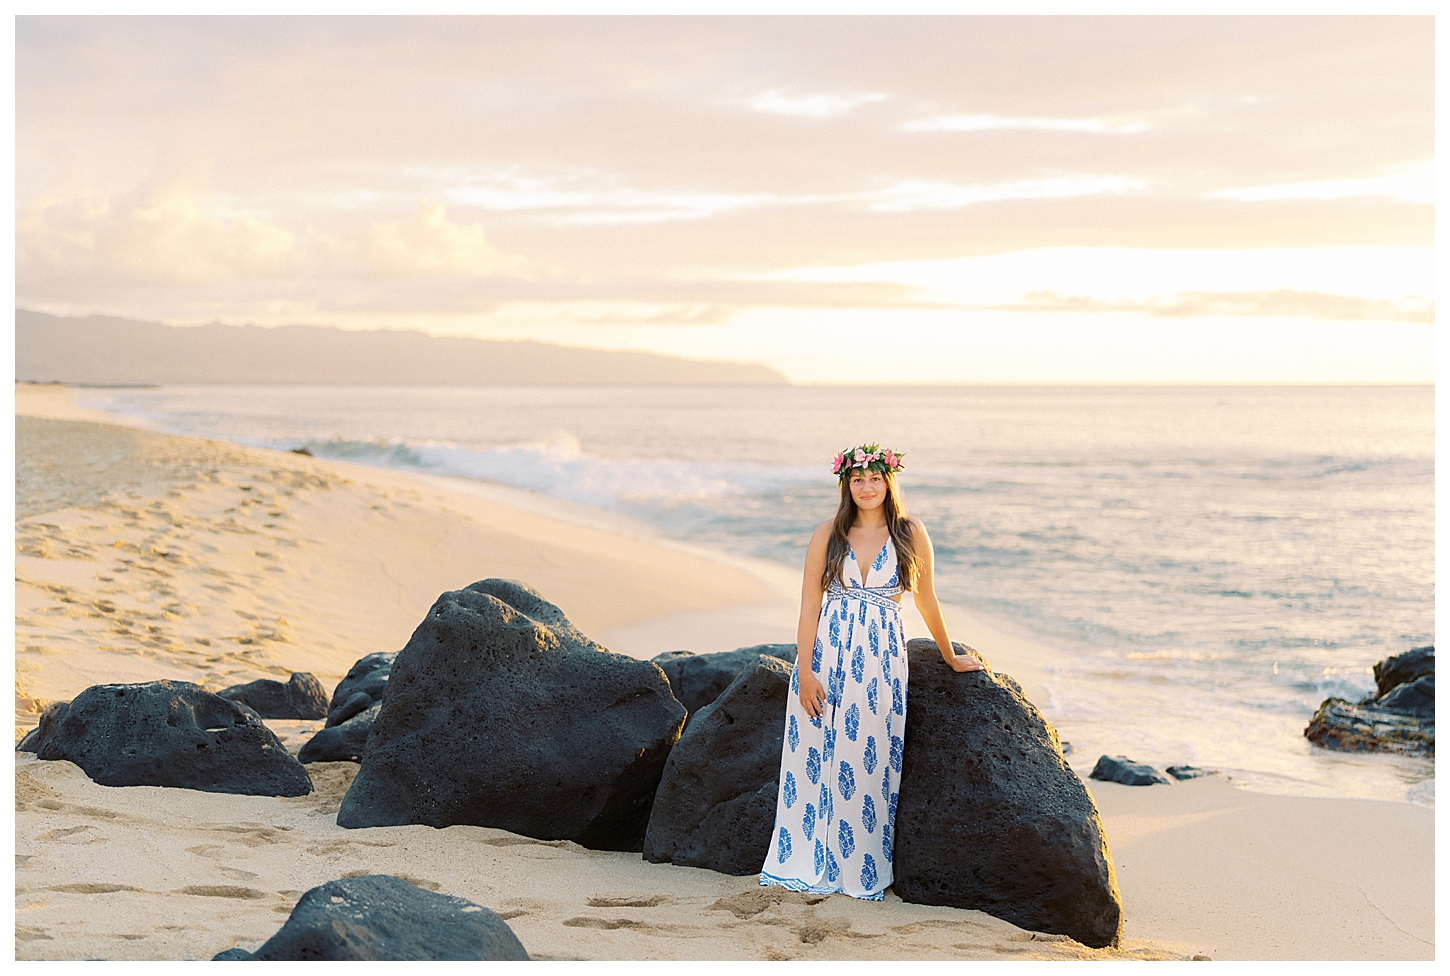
[1283,303]
[1414,182]
[988,122]
[430,246]
[163,234]
[811,106]
[933,195]
[583,198]
[155,234]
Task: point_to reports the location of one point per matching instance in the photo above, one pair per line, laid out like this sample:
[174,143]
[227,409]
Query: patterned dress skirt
[839,773]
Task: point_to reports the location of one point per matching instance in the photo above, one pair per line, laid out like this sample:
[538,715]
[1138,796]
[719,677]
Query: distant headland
[114,351]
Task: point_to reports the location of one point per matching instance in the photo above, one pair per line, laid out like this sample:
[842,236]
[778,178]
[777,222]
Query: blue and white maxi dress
[839,773]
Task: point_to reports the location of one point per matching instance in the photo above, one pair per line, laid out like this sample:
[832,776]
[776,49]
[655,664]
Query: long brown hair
[896,525]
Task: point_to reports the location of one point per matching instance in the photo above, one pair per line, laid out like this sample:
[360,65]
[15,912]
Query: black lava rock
[351,711]
[300,697]
[1398,669]
[341,743]
[367,677]
[990,816]
[167,733]
[1189,772]
[500,713]
[697,679]
[1398,717]
[1121,769]
[380,918]
[1413,697]
[715,806]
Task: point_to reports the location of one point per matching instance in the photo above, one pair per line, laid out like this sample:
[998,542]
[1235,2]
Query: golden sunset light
[870,487]
[1014,199]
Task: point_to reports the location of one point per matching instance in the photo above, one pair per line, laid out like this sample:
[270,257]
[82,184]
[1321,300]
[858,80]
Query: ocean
[1212,561]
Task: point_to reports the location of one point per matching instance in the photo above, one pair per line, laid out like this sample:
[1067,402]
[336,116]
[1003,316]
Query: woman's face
[868,488]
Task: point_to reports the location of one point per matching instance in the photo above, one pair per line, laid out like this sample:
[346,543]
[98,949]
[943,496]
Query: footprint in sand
[74,835]
[631,901]
[221,891]
[92,889]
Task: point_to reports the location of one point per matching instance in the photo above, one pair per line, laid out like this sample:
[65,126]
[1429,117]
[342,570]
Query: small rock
[167,733]
[1415,698]
[1189,772]
[1398,669]
[300,697]
[381,918]
[351,711]
[1398,717]
[715,805]
[1347,727]
[301,450]
[1121,769]
[342,743]
[367,676]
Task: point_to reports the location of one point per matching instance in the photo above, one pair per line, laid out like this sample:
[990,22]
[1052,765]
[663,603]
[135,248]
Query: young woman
[845,718]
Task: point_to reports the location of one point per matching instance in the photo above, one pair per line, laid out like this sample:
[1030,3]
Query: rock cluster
[500,713]
[301,696]
[1398,717]
[381,918]
[167,733]
[350,714]
[990,816]
[1121,769]
[715,806]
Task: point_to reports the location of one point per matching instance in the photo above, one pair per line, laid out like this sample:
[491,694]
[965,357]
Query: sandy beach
[143,556]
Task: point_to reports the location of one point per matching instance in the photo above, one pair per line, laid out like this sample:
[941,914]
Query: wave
[559,468]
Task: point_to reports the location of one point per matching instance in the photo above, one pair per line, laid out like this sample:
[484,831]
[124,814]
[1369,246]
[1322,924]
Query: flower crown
[868,457]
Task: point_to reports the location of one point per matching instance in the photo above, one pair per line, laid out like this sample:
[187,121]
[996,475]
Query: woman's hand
[813,695]
[964,662]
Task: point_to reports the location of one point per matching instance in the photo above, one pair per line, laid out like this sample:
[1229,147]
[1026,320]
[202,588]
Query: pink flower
[860,456]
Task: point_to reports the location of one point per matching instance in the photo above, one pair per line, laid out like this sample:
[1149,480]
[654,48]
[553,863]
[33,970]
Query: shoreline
[331,561]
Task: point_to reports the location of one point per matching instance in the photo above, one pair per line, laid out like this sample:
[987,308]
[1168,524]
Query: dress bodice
[880,581]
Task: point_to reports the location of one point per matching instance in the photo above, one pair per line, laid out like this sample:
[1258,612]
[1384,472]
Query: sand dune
[144,556]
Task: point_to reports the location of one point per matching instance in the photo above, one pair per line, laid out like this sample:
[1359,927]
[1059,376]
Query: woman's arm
[813,695]
[925,597]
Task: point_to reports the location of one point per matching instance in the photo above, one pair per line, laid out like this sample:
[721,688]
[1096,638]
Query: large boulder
[990,816]
[1398,717]
[167,733]
[500,713]
[380,918]
[341,743]
[715,806]
[301,696]
[698,679]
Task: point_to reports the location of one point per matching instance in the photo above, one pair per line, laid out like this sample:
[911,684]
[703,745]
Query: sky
[966,199]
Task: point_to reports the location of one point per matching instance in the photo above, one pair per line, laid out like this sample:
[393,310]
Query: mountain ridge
[108,350]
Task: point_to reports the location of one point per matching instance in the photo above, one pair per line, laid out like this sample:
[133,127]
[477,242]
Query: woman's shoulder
[914,523]
[823,530]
